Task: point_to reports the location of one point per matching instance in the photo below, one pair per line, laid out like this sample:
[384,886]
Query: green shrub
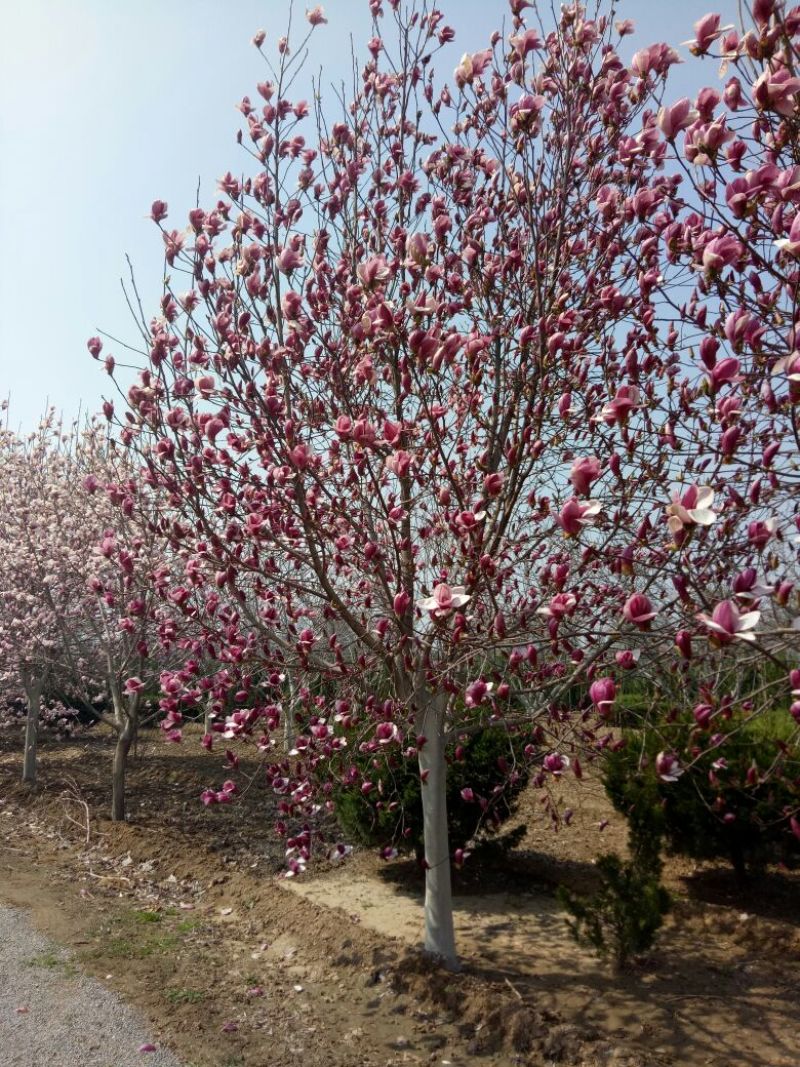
[622,918]
[737,809]
[491,763]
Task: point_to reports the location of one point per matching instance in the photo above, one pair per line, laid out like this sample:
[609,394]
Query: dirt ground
[184,911]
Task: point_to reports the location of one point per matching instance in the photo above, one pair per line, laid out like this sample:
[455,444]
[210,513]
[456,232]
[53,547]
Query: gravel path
[53,1015]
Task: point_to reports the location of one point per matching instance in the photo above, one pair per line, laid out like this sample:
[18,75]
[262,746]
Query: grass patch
[147,916]
[188,926]
[185,996]
[139,934]
[52,961]
[46,959]
[138,948]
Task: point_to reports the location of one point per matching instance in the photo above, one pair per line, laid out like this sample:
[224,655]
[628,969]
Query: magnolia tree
[729,276]
[410,394]
[127,631]
[44,548]
[79,578]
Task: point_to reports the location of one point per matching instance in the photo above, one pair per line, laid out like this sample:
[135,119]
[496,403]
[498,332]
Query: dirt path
[185,908]
[53,1013]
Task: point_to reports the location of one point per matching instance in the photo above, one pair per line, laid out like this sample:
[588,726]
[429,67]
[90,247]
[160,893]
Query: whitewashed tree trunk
[288,718]
[439,933]
[33,692]
[208,716]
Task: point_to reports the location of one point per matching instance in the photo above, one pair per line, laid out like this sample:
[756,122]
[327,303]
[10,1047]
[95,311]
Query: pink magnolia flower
[727,623]
[619,409]
[668,767]
[289,259]
[692,508]
[671,120]
[525,113]
[777,91]
[469,520]
[372,270]
[471,66]
[638,610]
[603,692]
[683,642]
[627,658]
[444,600]
[560,606]
[401,602]
[158,210]
[658,58]
[789,365]
[343,426]
[583,472]
[761,532]
[316,16]
[555,763]
[574,515]
[703,714]
[418,247]
[722,251]
[133,685]
[706,31]
[399,463]
[791,244]
[387,732]
[204,385]
[391,432]
[726,372]
[730,441]
[783,592]
[746,585]
[523,43]
[477,692]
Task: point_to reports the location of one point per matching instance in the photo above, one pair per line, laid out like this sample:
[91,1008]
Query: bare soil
[183,911]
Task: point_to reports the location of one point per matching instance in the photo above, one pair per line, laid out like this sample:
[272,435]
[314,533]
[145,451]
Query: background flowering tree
[729,285]
[405,391]
[127,631]
[44,548]
[79,580]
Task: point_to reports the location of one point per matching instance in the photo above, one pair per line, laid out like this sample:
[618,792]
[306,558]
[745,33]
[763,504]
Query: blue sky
[106,105]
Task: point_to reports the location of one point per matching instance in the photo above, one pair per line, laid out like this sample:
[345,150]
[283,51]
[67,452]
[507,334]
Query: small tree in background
[44,551]
[80,611]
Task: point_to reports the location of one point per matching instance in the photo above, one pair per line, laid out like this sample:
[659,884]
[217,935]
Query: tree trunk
[207,716]
[33,691]
[124,740]
[135,737]
[439,933]
[288,727]
[288,717]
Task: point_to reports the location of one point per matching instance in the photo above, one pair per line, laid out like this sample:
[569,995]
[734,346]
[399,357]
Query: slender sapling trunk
[33,692]
[120,767]
[439,933]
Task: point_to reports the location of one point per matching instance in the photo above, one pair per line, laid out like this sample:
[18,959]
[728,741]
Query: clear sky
[106,105]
